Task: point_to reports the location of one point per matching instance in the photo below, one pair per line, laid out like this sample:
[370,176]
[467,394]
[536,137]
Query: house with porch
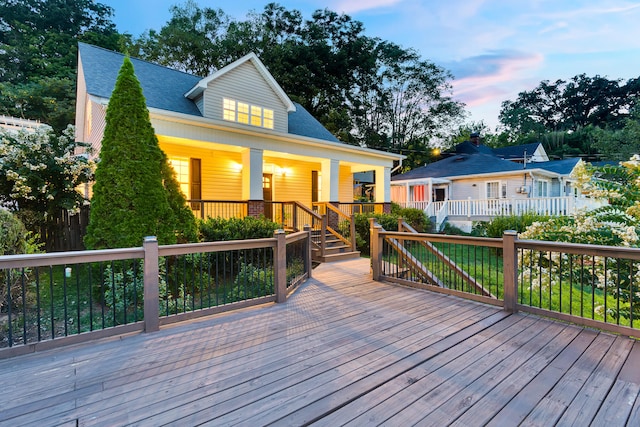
[238,143]
[476,183]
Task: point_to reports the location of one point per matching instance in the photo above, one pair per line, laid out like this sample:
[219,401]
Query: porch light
[284,171]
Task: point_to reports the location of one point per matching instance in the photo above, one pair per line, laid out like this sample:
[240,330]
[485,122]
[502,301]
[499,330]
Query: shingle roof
[516,151]
[470,148]
[164,88]
[563,167]
[478,163]
[302,123]
[461,165]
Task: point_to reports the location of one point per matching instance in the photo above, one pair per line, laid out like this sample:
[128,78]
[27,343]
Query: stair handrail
[404,226]
[352,227]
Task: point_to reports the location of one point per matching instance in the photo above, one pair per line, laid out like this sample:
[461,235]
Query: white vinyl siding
[246,85]
[200,104]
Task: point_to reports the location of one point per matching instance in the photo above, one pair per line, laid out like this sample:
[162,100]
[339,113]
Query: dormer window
[241,112]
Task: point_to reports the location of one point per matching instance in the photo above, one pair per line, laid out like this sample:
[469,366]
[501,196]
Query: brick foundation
[255,208]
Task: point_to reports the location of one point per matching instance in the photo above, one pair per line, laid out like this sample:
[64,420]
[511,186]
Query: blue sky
[494,48]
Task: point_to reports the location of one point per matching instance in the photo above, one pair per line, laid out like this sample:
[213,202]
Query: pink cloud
[492,77]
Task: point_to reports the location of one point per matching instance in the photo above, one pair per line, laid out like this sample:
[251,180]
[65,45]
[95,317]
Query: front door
[267,194]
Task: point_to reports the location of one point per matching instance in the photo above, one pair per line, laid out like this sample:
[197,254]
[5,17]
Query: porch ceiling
[355,167]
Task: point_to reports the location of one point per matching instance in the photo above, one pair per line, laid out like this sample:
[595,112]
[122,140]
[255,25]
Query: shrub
[221,229]
[519,223]
[124,291]
[14,240]
[414,217]
[12,234]
[251,282]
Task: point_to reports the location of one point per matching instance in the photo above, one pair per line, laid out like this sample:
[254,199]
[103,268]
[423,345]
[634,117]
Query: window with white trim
[242,112]
[181,166]
[493,190]
[542,188]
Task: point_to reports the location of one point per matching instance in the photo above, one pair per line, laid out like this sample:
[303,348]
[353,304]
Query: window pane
[492,190]
[181,167]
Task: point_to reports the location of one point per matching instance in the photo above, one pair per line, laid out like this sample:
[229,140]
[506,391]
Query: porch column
[383,184]
[252,181]
[331,188]
[330,180]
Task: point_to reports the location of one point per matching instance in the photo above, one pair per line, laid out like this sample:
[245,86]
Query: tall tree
[405,105]
[365,91]
[570,105]
[38,54]
[130,200]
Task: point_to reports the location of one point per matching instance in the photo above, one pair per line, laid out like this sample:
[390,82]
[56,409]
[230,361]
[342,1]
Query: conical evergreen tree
[129,199]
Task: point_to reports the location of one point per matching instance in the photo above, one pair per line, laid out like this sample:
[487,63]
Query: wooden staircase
[327,243]
[335,248]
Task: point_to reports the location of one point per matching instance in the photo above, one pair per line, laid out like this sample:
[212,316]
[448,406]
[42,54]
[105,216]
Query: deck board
[343,350]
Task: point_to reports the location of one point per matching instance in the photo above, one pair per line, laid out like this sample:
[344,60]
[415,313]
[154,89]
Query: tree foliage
[130,197]
[366,91]
[619,144]
[616,224]
[569,116]
[40,173]
[570,105]
[38,54]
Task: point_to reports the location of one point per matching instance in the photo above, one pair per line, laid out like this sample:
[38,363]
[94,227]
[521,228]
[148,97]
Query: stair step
[340,256]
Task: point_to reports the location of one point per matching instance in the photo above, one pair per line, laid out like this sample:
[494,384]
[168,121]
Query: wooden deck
[342,350]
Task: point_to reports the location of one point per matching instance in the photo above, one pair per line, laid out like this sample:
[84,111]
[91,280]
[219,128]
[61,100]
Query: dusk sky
[494,48]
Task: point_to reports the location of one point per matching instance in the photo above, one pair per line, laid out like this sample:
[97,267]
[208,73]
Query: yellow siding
[221,177]
[97,117]
[345,191]
[295,183]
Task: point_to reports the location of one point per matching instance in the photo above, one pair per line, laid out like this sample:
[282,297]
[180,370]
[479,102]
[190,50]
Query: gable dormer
[244,92]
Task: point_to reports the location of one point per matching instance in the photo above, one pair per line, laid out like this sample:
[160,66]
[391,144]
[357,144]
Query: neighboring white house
[475,183]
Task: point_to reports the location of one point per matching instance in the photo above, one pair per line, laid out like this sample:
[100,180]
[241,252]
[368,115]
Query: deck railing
[54,299]
[219,208]
[501,207]
[596,286]
[360,208]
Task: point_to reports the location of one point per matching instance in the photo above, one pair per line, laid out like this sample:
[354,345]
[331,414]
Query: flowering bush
[40,172]
[615,225]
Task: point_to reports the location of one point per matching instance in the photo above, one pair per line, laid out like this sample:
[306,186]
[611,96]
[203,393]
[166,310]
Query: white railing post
[510,270]
[150,285]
